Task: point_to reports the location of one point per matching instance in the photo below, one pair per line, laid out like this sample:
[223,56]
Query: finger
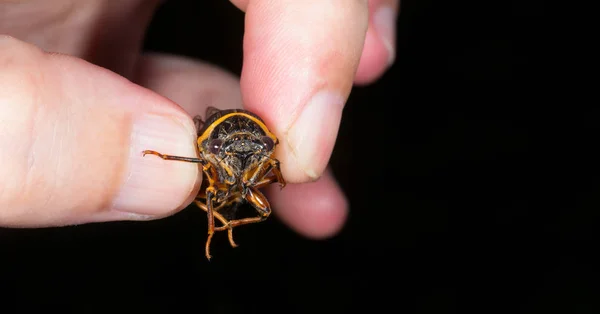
[314,210]
[106,33]
[191,84]
[379,51]
[300,58]
[72,140]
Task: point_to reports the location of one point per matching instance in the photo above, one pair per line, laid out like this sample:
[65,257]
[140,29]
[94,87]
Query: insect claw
[150,152]
[207,254]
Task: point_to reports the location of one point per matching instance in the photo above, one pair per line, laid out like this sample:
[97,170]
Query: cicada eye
[215,145]
[268,143]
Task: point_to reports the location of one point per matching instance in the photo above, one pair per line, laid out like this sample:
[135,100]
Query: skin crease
[70,27]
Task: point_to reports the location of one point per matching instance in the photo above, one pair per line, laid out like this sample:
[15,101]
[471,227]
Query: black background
[468,193]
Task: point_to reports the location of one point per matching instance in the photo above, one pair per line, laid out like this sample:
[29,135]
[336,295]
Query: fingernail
[313,134]
[153,186]
[384,21]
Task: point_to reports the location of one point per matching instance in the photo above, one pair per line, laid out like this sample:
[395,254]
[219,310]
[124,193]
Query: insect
[234,148]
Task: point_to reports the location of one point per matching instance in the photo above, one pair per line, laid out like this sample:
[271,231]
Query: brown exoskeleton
[235,148]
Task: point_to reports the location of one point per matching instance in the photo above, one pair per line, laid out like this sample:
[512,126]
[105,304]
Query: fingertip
[317,210]
[384,23]
[309,142]
[299,64]
[374,60]
[240,4]
[379,52]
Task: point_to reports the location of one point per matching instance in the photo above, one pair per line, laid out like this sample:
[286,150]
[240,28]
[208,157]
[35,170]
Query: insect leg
[171,157]
[259,202]
[222,219]
[265,181]
[277,172]
[210,194]
[272,172]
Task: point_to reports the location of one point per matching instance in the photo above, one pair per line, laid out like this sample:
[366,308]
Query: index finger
[300,58]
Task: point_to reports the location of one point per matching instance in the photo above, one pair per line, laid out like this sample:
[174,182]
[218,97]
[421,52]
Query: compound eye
[215,146]
[267,143]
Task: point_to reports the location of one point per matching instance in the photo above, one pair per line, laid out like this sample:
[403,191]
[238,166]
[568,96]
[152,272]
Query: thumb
[71,142]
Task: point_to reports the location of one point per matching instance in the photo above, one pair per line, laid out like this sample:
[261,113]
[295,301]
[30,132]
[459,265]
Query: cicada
[235,149]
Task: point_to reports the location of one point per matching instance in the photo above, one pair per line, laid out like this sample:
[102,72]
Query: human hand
[72,131]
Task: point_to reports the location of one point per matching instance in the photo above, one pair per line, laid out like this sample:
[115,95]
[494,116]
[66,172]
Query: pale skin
[77,106]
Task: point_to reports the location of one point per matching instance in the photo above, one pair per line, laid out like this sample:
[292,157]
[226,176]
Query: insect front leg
[171,157]
[259,202]
[277,172]
[272,172]
[265,181]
